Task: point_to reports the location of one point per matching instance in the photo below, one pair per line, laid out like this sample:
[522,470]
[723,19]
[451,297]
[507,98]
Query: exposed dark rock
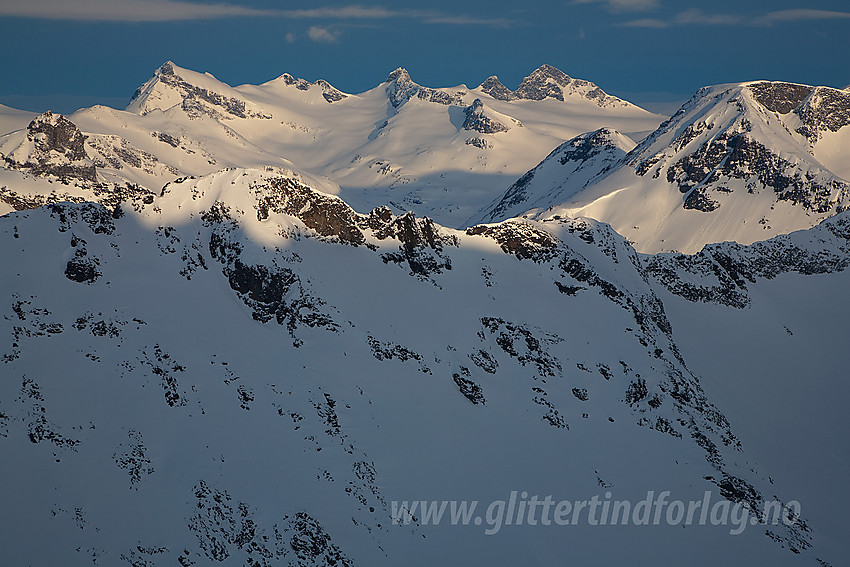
[519,238]
[400,88]
[699,201]
[469,389]
[326,215]
[779,97]
[81,268]
[739,156]
[526,344]
[58,149]
[545,82]
[825,109]
[719,273]
[494,87]
[479,143]
[485,361]
[478,121]
[193,95]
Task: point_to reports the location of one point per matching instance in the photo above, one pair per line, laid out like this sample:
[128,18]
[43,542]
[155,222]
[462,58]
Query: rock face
[329,92]
[780,97]
[57,148]
[824,110]
[478,121]
[494,87]
[401,88]
[721,273]
[550,82]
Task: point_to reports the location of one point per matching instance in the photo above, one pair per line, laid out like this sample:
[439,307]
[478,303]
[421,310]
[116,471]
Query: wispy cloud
[800,15]
[468,21]
[125,10]
[624,5]
[702,18]
[645,23]
[176,10]
[322,35]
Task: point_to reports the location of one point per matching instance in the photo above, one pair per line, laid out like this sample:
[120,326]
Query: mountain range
[245,323]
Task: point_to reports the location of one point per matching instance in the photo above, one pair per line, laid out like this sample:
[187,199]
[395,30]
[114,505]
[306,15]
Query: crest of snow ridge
[593,152]
[400,88]
[171,85]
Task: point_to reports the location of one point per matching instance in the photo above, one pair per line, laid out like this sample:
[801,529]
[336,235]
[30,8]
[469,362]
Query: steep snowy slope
[740,162]
[571,167]
[252,373]
[12,119]
[402,144]
[776,311]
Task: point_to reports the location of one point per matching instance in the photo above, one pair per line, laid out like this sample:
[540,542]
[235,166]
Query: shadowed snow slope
[252,373]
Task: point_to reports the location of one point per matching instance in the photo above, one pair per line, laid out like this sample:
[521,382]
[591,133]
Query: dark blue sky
[63,54]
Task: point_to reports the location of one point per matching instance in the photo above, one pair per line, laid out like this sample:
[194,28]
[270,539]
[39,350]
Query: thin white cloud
[289,37]
[624,5]
[175,10]
[645,23]
[697,16]
[468,21]
[322,35]
[800,15]
[124,10]
[702,18]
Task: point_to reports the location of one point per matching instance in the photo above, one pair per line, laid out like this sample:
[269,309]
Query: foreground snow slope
[738,162]
[244,370]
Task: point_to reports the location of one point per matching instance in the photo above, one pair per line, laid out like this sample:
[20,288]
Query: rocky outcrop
[549,82]
[329,92]
[477,120]
[720,273]
[494,87]
[56,147]
[825,110]
[401,88]
[779,97]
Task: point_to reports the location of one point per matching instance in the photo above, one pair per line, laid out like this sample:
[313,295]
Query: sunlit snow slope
[740,162]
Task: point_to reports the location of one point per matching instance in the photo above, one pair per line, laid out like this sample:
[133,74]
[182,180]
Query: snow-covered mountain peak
[400,88]
[197,93]
[399,144]
[52,145]
[739,161]
[544,82]
[494,87]
[567,170]
[400,75]
[547,82]
[329,92]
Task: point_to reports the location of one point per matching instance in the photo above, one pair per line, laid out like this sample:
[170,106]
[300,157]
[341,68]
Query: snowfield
[245,324]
